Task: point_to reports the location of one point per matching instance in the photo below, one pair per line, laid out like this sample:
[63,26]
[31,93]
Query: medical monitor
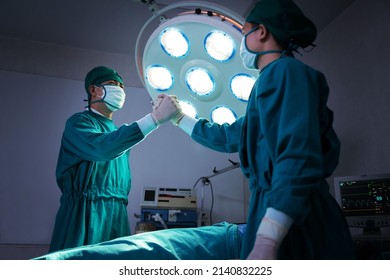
[149,196]
[364,200]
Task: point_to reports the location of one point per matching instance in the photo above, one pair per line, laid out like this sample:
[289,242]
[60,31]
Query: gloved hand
[264,249]
[165,108]
[177,118]
[270,234]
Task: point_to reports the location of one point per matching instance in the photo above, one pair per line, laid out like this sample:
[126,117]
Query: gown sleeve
[222,138]
[86,139]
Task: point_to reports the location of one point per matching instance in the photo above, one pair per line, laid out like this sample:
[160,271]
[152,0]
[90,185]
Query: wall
[353,53]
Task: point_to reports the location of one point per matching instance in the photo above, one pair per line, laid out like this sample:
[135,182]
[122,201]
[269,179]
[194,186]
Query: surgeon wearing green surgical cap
[286,142]
[93,170]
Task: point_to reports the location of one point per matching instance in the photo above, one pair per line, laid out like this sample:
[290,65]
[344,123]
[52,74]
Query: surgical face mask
[114,97]
[248,57]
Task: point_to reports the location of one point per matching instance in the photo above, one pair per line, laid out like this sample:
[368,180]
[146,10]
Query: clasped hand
[165,108]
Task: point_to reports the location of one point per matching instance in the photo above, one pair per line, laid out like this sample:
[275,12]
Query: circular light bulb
[174,42]
[222,115]
[159,77]
[188,109]
[241,86]
[200,81]
[219,45]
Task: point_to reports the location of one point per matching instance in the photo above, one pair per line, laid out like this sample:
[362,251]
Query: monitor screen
[364,200]
[149,196]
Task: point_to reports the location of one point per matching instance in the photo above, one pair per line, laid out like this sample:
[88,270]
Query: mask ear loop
[88,105]
[246,35]
[96,101]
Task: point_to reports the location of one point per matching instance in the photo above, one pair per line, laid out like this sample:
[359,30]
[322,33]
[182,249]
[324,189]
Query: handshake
[166,108]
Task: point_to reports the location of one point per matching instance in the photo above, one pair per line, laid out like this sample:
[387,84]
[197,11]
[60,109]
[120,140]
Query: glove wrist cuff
[147,124]
[271,229]
[187,124]
[176,120]
[275,224]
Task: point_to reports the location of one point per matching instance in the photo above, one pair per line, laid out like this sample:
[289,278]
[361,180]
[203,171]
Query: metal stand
[206,181]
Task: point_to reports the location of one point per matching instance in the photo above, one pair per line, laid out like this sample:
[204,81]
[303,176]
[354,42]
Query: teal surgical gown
[287,149]
[93,174]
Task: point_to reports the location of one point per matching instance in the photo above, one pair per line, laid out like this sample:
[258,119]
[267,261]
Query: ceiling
[113,26]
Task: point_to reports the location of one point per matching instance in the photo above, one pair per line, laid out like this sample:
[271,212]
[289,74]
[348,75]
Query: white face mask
[248,58]
[114,97]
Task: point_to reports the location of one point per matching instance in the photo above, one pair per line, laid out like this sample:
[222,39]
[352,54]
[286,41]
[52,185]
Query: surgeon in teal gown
[93,170]
[286,142]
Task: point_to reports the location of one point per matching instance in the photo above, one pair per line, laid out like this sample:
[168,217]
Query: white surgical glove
[272,230]
[264,249]
[179,116]
[165,108]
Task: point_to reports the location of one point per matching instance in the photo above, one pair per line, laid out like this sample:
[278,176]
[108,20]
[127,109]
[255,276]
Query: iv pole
[206,181]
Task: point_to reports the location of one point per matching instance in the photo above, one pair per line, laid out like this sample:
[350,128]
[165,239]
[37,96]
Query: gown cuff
[187,124]
[274,225]
[147,124]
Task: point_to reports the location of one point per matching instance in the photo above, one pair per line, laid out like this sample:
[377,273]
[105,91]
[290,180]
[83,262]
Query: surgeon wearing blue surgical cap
[93,170]
[286,142]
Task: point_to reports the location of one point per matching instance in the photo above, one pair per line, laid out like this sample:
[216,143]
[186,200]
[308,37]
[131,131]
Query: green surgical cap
[101,74]
[285,20]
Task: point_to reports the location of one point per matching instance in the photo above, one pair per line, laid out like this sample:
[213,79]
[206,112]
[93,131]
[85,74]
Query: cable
[206,181]
[197,182]
[212,203]
[157,217]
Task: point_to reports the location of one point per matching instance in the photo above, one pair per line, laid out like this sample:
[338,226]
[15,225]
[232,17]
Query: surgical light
[241,85]
[200,81]
[159,77]
[188,109]
[223,115]
[174,42]
[191,49]
[219,45]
